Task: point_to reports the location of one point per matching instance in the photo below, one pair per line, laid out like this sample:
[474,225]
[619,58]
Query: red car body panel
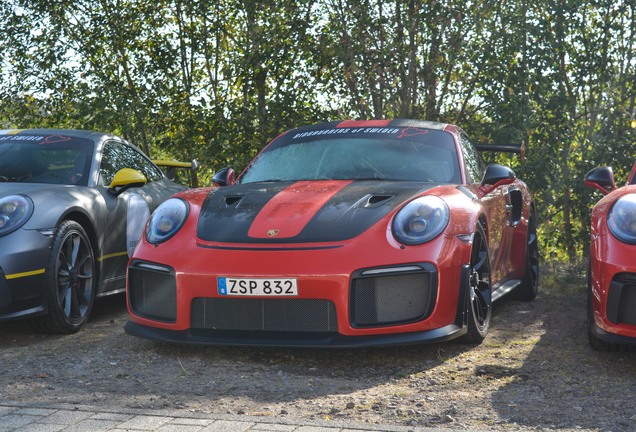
[610,258]
[325,269]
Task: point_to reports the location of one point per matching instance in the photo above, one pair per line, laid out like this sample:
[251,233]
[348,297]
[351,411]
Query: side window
[475,166]
[116,156]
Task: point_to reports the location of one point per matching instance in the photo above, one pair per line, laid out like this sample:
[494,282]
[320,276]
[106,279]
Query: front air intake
[621,299]
[392,297]
[152,292]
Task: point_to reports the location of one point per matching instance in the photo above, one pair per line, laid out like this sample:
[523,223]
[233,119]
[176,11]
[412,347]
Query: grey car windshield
[51,159]
[428,156]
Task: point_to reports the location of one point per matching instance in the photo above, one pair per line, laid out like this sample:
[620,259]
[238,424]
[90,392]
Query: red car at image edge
[340,234]
[612,263]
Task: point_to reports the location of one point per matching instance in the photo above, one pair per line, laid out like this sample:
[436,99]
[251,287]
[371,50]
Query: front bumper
[23,258]
[347,297]
[613,284]
[615,317]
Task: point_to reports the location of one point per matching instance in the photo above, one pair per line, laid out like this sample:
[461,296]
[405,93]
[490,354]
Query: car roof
[75,133]
[377,123]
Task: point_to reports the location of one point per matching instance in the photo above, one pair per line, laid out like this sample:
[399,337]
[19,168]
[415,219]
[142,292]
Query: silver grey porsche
[73,205]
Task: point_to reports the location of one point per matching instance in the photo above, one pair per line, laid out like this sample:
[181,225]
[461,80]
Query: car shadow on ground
[561,383]
[103,365]
[535,368]
[20,331]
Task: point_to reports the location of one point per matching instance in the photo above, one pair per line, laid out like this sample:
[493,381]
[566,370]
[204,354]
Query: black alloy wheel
[70,287]
[480,290]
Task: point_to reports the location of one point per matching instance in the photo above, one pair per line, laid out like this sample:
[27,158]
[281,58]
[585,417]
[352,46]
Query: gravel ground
[534,371]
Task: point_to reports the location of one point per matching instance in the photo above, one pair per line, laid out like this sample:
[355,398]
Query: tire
[479,301]
[70,284]
[529,287]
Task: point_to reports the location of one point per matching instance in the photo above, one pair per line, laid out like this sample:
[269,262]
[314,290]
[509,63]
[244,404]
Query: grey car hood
[51,202]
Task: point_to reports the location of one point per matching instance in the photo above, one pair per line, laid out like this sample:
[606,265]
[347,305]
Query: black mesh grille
[621,300]
[277,315]
[152,294]
[391,299]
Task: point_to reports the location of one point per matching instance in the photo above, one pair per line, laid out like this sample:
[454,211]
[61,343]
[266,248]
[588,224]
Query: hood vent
[375,200]
[232,200]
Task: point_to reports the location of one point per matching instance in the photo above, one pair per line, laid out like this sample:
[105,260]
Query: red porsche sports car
[612,263]
[350,233]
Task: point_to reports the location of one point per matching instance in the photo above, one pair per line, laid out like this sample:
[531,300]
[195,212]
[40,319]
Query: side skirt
[504,288]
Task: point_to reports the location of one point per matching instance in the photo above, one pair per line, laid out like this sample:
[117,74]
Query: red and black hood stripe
[299,212]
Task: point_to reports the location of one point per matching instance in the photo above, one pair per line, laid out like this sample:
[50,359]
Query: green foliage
[217,80]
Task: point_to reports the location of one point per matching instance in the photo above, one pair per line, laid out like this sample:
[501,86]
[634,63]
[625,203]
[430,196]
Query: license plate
[257,287]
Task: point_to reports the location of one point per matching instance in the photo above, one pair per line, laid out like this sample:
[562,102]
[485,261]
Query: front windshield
[51,159]
[401,154]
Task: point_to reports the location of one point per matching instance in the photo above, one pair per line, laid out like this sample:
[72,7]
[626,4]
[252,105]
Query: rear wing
[170,168]
[516,148]
[512,148]
[194,165]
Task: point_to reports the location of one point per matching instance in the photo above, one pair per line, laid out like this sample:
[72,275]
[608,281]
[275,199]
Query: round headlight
[621,219]
[166,220]
[15,210]
[421,220]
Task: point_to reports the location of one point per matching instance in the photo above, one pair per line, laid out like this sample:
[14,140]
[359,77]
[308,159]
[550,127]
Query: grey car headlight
[15,210]
[621,219]
[421,220]
[166,220]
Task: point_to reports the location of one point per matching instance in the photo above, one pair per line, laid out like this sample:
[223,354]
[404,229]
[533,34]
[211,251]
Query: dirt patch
[534,370]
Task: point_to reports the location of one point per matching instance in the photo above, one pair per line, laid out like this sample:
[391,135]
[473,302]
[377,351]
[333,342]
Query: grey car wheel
[70,287]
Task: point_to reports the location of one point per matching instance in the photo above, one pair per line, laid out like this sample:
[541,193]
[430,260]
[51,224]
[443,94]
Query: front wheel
[70,289]
[479,289]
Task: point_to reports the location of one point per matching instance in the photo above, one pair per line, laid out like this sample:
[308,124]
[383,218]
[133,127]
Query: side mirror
[601,178]
[126,178]
[496,175]
[225,177]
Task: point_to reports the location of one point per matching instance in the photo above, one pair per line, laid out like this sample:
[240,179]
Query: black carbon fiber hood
[228,214]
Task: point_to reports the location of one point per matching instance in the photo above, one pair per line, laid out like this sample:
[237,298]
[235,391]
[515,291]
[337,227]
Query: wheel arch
[88,225]
[532,215]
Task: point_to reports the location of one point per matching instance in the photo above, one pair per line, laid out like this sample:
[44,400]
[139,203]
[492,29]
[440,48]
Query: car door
[497,211]
[126,212]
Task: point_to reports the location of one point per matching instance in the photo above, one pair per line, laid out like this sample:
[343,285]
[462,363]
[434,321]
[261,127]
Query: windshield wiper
[369,179]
